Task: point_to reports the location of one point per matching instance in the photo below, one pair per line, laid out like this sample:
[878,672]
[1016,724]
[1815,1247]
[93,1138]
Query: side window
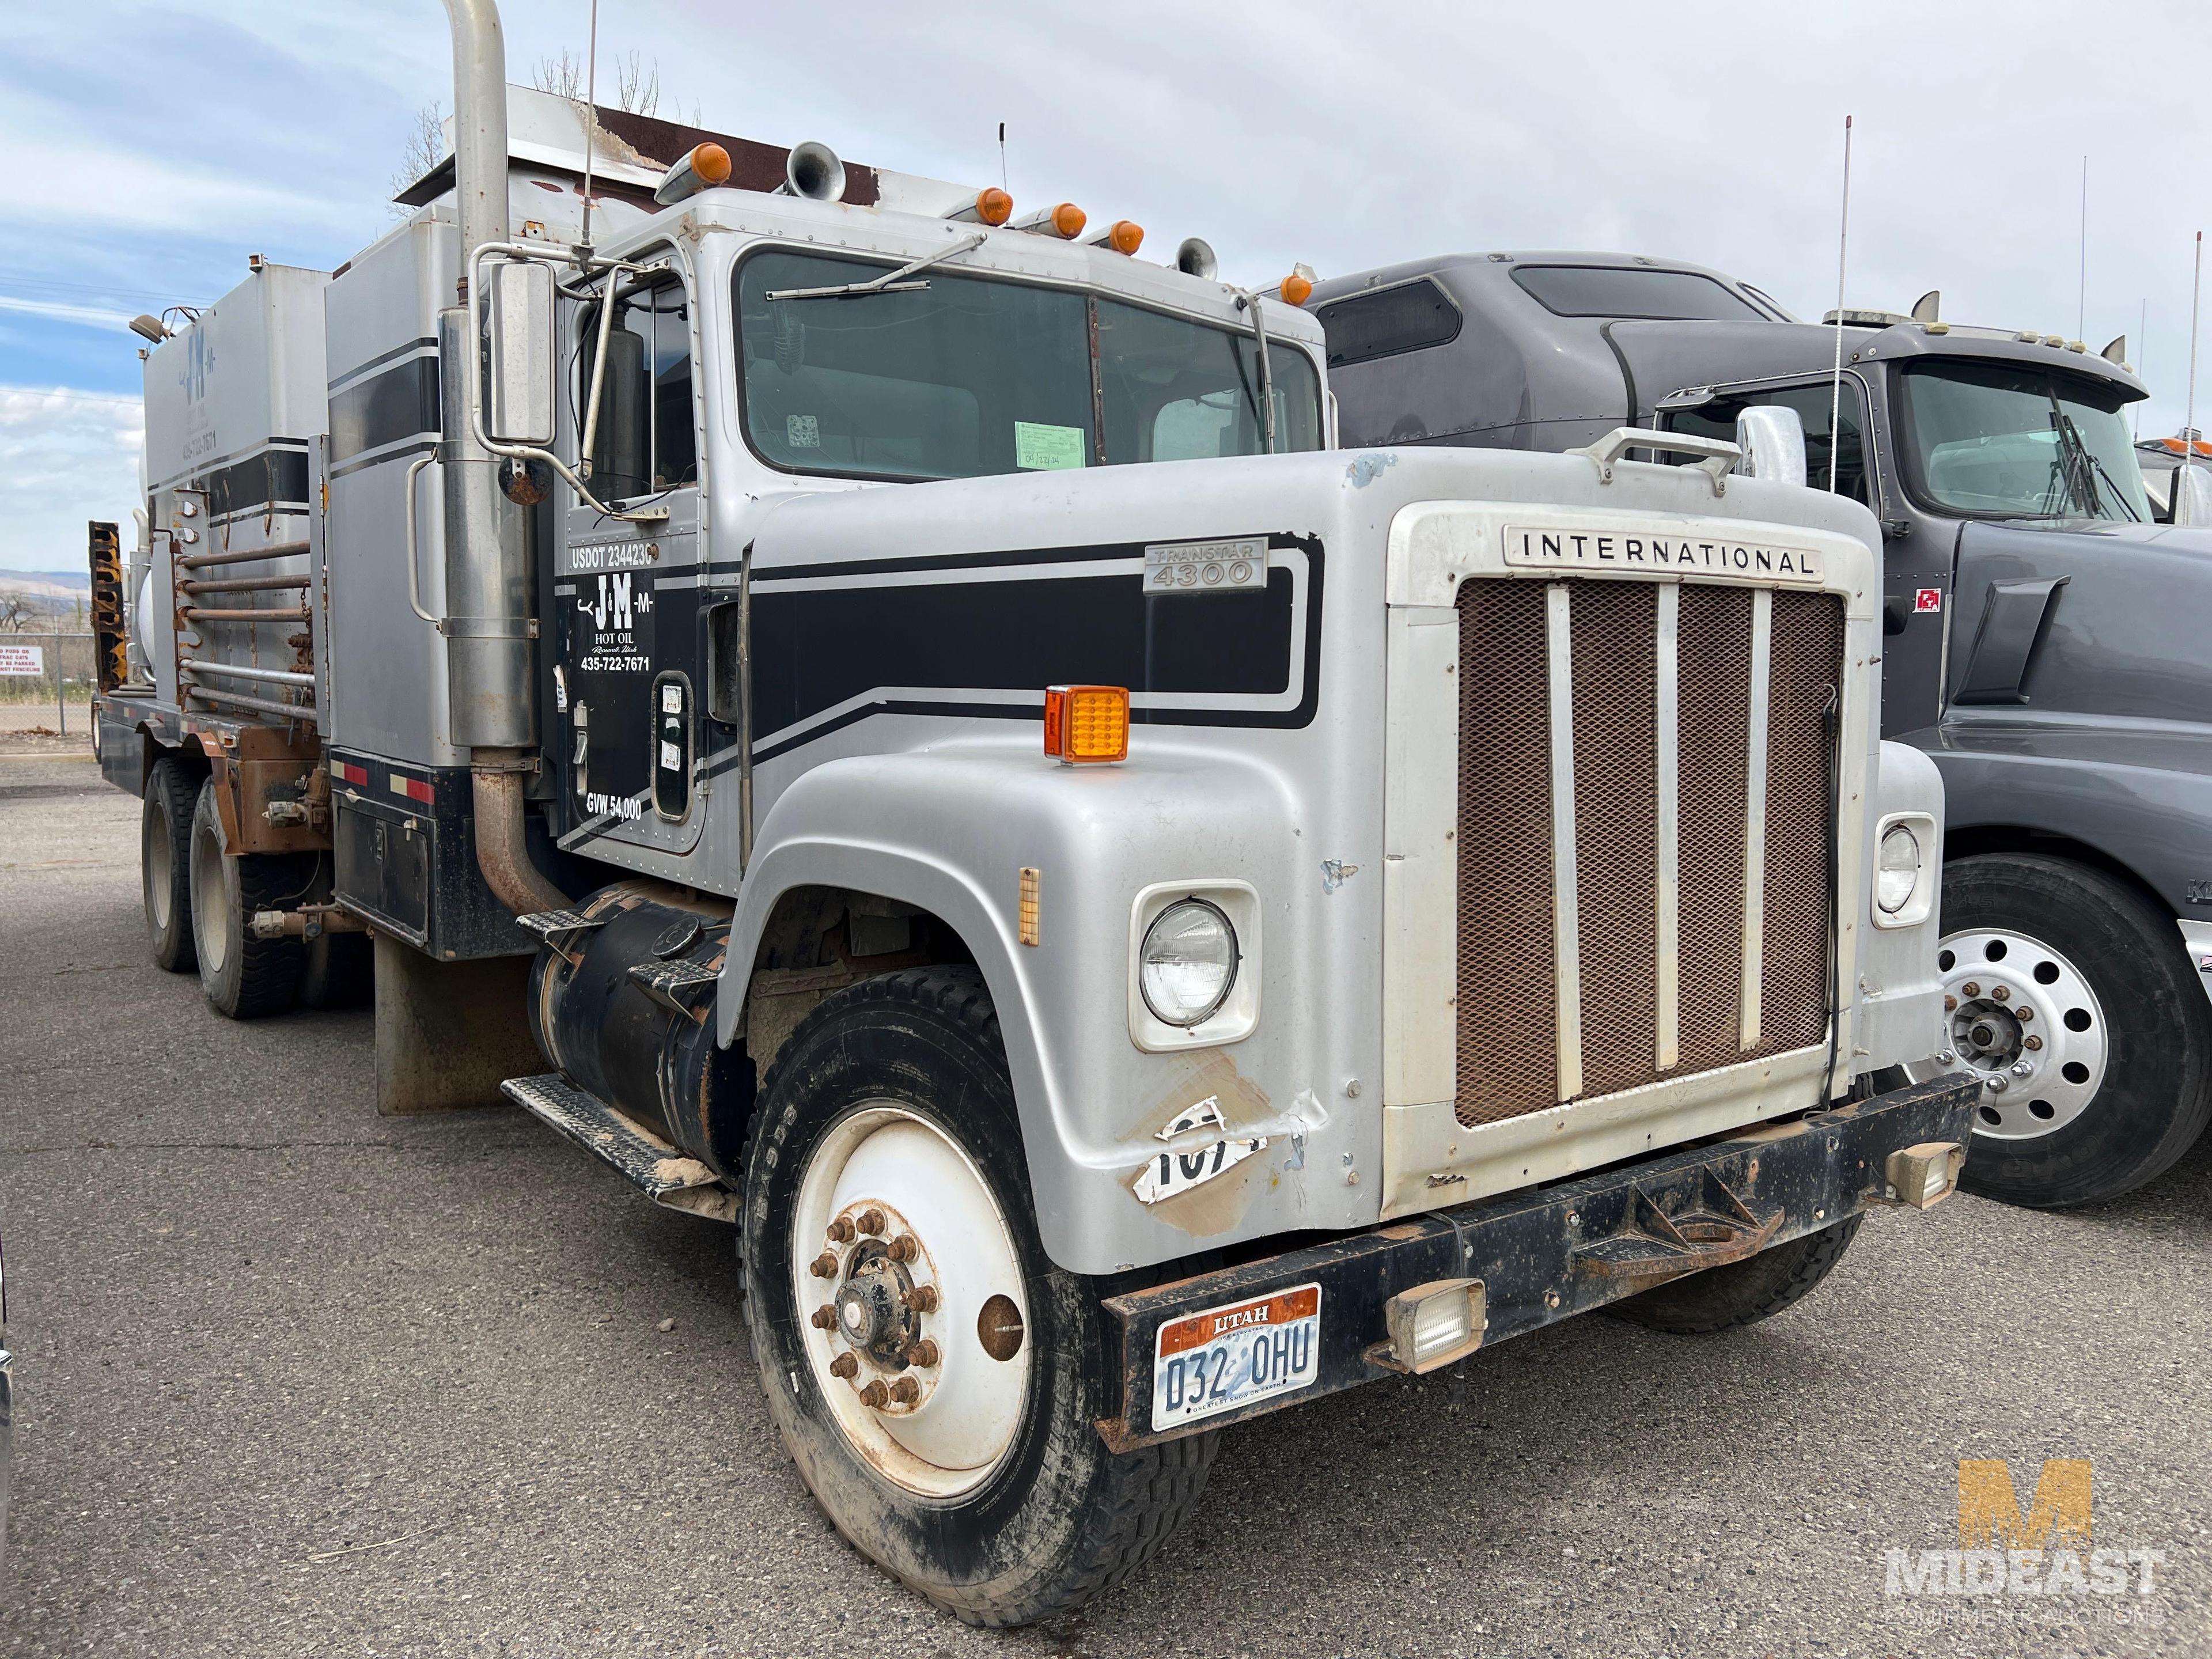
[647,439]
[1405,317]
[1812,403]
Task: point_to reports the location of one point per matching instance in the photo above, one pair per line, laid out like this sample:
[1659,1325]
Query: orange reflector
[1124,236]
[1297,289]
[1068,220]
[994,206]
[1086,723]
[712,163]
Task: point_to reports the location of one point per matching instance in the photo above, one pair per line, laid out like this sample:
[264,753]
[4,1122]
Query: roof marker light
[1063,219]
[702,167]
[990,207]
[1123,236]
[1298,288]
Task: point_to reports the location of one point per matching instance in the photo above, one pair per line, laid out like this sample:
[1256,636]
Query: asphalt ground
[294,1379]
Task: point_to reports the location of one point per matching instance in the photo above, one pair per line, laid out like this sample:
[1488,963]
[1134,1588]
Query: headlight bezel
[1235,1015]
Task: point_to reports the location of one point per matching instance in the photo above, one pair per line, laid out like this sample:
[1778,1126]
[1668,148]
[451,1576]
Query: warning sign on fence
[23,659]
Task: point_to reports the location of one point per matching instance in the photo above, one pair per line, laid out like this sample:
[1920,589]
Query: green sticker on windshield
[1046,448]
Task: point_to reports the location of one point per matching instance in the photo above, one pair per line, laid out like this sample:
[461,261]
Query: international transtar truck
[1128,946]
[2042,638]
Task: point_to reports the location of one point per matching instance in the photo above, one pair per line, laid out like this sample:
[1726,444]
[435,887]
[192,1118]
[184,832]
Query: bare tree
[15,614]
[637,90]
[425,148]
[637,84]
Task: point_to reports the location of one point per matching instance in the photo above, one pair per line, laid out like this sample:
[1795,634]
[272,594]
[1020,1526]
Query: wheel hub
[2024,1022]
[911,1300]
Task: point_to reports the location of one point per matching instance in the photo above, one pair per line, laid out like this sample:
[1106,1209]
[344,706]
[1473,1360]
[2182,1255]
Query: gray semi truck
[2044,637]
[1125,945]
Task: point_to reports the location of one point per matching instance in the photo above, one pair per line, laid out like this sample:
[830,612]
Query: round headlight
[1898,871]
[1189,962]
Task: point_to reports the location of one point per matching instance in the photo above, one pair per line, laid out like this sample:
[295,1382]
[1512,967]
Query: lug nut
[2002,992]
[922,1353]
[2021,1068]
[823,1318]
[906,1391]
[922,1298]
[1948,1056]
[824,1266]
[840,1231]
[1950,1003]
[872,1222]
[903,1248]
[2023,1012]
[2031,1041]
[875,1396]
[1997,1084]
[844,1365]
[1970,988]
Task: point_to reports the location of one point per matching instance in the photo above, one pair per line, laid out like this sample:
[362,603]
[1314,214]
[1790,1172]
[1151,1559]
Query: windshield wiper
[2083,468]
[892,282]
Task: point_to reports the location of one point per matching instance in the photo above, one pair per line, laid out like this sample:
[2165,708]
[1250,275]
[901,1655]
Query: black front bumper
[1549,1254]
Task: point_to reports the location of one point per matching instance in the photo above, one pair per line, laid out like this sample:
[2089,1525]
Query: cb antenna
[1835,384]
[2081,314]
[2189,421]
[1002,158]
[590,115]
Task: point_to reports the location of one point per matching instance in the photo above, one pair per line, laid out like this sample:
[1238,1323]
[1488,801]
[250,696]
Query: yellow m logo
[1989,1507]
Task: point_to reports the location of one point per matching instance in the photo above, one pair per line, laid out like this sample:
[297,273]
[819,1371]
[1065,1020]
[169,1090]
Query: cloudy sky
[150,149]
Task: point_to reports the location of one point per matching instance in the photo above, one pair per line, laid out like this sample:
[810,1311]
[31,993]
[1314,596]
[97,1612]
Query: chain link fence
[48,677]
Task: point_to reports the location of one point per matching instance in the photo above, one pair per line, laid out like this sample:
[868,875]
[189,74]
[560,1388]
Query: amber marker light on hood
[1086,724]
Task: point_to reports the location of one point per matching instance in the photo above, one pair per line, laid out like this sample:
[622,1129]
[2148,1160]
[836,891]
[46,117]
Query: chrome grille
[1606,779]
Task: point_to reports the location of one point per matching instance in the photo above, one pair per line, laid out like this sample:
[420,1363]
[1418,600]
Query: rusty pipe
[245,584]
[503,849]
[241,556]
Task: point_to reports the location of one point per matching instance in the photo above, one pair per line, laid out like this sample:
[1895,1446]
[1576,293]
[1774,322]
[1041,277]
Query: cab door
[628,632]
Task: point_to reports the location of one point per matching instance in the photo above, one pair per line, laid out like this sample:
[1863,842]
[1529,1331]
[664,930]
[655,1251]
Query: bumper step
[663,1173]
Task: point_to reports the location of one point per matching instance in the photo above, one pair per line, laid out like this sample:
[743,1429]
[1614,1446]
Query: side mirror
[519,384]
[2192,495]
[1772,439]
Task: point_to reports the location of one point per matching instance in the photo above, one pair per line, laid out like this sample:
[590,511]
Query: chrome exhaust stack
[488,622]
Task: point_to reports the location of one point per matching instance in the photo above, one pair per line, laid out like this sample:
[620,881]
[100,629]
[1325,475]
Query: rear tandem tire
[244,977]
[1741,1292]
[894,1093]
[165,864]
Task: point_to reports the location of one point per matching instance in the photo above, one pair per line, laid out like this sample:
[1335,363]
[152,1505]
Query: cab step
[666,1174]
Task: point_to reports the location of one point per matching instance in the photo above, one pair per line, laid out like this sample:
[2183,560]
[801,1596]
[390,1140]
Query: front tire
[243,977]
[888,1115]
[2075,1005]
[165,864]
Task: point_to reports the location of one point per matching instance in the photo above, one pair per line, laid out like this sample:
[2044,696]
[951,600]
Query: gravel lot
[296,1380]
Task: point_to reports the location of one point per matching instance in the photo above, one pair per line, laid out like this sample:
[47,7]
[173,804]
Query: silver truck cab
[1140,916]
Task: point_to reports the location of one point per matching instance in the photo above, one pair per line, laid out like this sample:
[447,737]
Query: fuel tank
[622,1001]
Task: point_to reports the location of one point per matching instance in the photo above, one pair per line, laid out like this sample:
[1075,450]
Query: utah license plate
[1225,1358]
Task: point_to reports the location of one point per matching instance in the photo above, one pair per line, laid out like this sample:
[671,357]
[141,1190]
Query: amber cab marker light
[994,206]
[1086,724]
[712,163]
[1123,236]
[1298,288]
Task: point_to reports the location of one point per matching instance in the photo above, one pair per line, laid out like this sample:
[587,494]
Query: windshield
[971,376]
[1994,441]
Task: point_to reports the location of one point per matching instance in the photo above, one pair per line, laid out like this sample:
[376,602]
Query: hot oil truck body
[1128,945]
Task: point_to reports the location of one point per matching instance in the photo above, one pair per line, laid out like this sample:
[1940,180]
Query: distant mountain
[45,584]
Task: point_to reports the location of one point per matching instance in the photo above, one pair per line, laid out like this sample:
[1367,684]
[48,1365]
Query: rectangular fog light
[1924,1174]
[1433,1324]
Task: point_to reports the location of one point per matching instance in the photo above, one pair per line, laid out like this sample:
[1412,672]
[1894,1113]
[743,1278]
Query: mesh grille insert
[1507,956]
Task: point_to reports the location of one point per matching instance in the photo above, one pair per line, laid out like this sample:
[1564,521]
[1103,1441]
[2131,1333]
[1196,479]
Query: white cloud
[67,314]
[65,458]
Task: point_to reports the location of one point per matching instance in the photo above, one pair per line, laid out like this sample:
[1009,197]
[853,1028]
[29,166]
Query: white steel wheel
[211,906]
[912,1283]
[2023,1020]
